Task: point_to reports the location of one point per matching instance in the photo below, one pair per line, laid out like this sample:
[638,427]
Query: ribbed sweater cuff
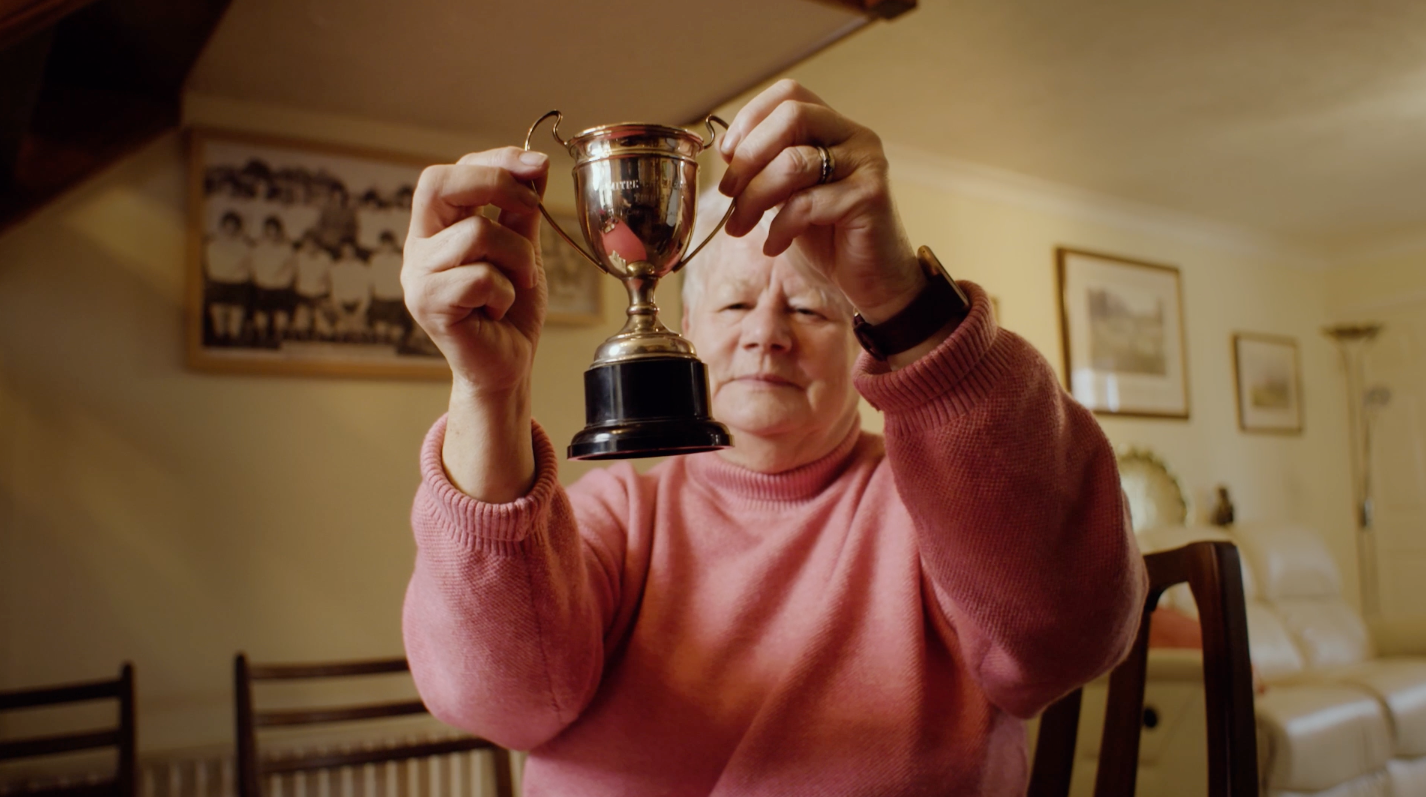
[949,380]
[478,521]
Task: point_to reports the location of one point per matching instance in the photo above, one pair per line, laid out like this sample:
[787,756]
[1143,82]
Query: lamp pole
[1352,341]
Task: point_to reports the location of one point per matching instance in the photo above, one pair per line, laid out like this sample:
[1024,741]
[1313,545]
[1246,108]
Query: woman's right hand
[474,285]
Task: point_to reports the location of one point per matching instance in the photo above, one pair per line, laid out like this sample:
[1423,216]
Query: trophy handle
[559,117]
[708,120]
[699,248]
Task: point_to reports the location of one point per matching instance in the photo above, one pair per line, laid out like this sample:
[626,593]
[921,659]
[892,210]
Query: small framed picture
[1122,327]
[576,285]
[295,252]
[1269,383]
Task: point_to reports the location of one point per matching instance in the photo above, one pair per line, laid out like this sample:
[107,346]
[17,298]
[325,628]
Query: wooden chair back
[253,768]
[1213,572]
[122,737]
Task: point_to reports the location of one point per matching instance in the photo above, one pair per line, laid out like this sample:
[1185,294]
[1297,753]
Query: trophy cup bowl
[636,189]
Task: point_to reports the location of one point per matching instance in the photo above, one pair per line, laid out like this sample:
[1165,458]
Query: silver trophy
[636,188]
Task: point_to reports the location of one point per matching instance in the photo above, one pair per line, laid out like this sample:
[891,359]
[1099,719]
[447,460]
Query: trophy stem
[643,335]
[643,312]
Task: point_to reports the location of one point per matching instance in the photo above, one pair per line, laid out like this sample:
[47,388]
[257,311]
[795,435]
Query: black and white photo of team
[302,254]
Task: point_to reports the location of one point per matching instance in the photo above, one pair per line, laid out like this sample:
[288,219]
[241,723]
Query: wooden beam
[76,133]
[112,83]
[21,19]
[138,46]
[871,9]
[22,72]
[882,9]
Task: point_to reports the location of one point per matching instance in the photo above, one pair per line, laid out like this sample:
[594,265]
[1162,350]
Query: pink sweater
[873,623]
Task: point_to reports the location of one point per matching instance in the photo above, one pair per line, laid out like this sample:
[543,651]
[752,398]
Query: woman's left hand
[847,226]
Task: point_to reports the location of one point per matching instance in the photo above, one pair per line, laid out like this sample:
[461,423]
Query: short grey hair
[712,205]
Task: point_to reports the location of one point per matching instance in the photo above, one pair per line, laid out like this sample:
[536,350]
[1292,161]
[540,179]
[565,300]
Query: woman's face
[779,353]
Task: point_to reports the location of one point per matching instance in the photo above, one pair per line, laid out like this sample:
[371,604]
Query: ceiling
[495,67]
[1303,119]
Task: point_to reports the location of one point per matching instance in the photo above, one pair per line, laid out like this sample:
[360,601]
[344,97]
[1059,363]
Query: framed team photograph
[1122,330]
[1269,383]
[295,260]
[576,285]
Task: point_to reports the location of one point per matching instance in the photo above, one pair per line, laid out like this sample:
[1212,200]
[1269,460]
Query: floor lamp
[1362,406]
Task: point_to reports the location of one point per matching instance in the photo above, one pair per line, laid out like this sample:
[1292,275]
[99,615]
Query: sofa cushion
[1408,777]
[1320,735]
[1400,686]
[1377,784]
[1275,655]
[1327,631]
[1288,561]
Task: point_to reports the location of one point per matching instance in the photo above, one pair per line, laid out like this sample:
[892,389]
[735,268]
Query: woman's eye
[736,306]
[807,312]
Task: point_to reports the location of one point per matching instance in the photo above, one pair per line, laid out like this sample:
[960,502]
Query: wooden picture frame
[1122,330]
[294,253]
[1267,380]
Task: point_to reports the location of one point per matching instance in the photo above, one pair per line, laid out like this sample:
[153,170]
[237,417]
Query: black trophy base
[654,407]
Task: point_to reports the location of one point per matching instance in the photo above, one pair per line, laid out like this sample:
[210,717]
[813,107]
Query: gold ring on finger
[829,165]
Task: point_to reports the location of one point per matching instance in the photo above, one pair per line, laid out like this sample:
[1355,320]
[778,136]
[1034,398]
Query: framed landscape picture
[1122,329]
[1269,383]
[295,254]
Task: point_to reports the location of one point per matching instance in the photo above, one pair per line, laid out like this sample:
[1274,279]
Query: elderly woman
[813,611]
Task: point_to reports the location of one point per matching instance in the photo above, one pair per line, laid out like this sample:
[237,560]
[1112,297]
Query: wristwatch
[939,303]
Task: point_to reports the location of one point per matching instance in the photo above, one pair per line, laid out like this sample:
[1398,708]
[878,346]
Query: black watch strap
[939,303]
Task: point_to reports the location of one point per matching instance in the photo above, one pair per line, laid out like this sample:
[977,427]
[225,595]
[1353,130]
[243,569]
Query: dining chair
[1213,572]
[253,767]
[121,737]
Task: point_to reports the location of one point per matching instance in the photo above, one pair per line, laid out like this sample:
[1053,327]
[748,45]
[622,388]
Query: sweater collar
[797,484]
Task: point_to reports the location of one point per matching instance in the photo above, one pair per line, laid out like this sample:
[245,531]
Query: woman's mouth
[767,379]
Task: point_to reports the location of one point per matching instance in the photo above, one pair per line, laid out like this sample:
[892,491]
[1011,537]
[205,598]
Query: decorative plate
[1155,497]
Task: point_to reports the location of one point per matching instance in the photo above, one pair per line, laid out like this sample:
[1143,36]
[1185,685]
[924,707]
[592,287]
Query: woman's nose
[766,326]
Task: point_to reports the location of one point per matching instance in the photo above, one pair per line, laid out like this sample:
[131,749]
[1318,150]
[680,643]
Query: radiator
[211,773]
[466,774]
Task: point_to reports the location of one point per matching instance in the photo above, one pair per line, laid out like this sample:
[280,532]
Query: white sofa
[1344,711]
